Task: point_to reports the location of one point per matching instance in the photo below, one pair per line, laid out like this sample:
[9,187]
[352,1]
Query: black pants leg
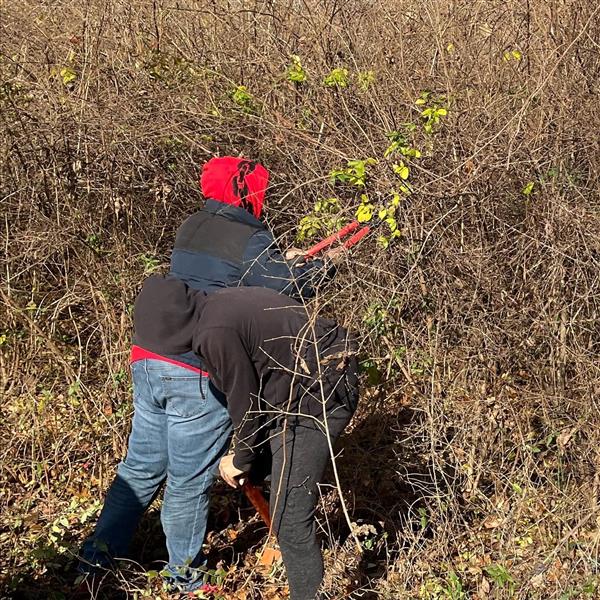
[300,454]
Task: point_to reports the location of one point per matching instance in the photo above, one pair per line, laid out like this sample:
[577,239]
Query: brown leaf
[565,437]
[484,588]
[269,556]
[492,522]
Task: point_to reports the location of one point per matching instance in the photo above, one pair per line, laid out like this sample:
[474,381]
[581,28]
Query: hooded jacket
[259,347]
[225,244]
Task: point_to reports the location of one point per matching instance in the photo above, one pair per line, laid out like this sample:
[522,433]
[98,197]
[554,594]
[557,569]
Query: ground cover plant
[465,133]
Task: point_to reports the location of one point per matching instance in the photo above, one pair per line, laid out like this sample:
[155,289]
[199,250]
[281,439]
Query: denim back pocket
[185,396]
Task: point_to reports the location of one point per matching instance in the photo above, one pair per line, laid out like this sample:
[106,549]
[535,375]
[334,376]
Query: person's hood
[235,181]
[166,312]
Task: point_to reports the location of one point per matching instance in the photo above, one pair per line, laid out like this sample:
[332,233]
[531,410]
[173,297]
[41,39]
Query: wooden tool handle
[258,501]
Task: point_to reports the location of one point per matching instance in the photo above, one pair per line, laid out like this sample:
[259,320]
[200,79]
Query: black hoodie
[260,348]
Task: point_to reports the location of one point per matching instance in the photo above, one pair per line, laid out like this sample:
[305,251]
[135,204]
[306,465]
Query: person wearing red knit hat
[181,428]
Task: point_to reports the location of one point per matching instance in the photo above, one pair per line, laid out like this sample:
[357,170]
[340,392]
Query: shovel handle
[258,501]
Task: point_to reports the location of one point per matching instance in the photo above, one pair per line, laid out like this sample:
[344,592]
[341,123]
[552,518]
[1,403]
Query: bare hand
[229,472]
[335,255]
[293,253]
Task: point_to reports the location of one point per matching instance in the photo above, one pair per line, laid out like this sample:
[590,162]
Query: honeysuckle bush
[462,133]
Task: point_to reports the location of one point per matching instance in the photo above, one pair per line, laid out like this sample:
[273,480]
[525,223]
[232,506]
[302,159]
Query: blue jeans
[180,430]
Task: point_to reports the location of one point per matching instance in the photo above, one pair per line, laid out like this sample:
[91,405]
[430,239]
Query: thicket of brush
[473,464]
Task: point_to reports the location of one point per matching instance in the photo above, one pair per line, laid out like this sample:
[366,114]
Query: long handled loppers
[343,232]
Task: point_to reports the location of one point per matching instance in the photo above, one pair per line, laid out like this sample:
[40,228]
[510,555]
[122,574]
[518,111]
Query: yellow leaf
[364,213]
[68,75]
[383,242]
[402,171]
[420,101]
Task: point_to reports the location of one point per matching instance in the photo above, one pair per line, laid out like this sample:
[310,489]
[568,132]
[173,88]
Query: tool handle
[359,235]
[258,501]
[330,239]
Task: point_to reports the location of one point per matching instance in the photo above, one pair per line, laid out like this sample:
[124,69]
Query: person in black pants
[290,383]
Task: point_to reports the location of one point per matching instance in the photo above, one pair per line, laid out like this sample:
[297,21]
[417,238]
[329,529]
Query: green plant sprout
[501,577]
[337,78]
[243,98]
[380,320]
[323,220]
[364,213]
[401,170]
[387,214]
[365,79]
[355,172]
[295,72]
[399,142]
[150,263]
[433,110]
[449,589]
[68,75]
[528,188]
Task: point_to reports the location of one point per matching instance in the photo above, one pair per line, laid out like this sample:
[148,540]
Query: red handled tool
[344,231]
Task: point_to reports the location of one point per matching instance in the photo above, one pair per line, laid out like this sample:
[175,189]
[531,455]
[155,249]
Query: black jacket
[260,348]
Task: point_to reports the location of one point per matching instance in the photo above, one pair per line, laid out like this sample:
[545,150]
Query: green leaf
[365,79]
[295,72]
[382,213]
[364,213]
[526,191]
[68,75]
[420,101]
[392,224]
[383,242]
[337,78]
[401,170]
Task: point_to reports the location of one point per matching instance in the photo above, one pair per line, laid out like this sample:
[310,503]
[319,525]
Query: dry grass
[476,448]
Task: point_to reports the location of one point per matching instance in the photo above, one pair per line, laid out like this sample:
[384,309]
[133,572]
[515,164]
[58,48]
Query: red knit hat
[236,181]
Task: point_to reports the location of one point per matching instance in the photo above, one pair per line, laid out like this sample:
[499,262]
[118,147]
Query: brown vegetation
[473,466]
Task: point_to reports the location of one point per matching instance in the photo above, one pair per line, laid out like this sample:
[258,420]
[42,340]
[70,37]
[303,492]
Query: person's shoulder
[223,306]
[234,301]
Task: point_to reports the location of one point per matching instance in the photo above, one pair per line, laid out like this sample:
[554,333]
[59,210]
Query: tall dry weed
[474,457]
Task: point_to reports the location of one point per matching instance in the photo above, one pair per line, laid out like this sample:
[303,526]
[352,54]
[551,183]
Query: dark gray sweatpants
[300,453]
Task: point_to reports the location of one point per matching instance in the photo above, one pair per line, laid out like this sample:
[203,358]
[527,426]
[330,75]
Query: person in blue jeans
[181,427]
[180,430]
